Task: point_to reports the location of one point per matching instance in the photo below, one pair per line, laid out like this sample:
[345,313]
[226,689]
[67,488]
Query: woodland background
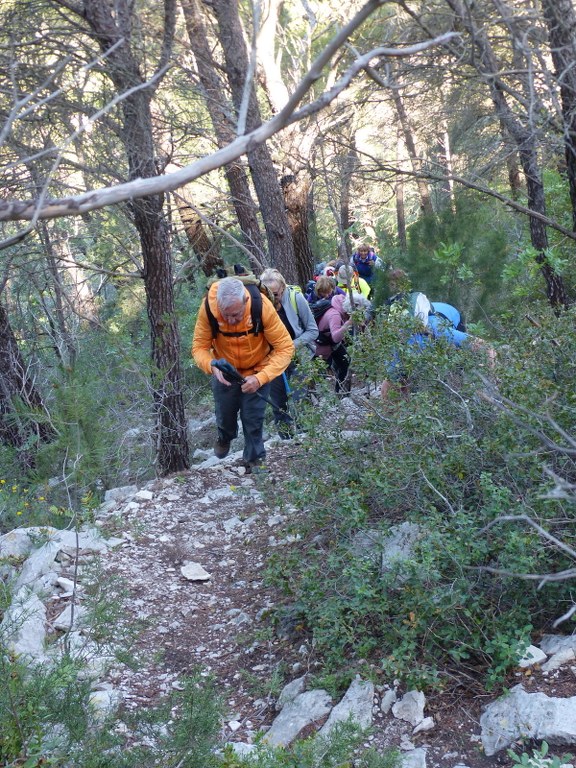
[143,143]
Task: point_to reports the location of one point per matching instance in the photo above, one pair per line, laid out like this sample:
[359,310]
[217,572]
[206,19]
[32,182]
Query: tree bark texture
[514,175]
[487,66]
[296,191]
[264,176]
[350,164]
[423,190]
[399,192]
[220,112]
[560,18]
[63,343]
[445,160]
[206,250]
[124,71]
[16,384]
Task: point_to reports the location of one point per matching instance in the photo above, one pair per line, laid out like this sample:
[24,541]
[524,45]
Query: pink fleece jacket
[336,322]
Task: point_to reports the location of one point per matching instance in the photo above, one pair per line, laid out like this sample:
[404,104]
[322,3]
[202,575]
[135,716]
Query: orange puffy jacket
[267,355]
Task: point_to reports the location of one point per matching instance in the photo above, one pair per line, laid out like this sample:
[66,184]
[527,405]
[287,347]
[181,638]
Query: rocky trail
[190,553]
[227,523]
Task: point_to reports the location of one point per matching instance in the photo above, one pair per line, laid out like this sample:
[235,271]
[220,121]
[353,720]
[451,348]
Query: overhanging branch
[34,210]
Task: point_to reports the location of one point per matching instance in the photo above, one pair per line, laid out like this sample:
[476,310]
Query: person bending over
[259,355]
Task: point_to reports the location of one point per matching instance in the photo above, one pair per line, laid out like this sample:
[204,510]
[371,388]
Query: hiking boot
[221,449]
[255,467]
[285,431]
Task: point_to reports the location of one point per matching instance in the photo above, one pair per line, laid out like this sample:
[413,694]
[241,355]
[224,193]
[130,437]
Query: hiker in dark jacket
[295,313]
[365,262]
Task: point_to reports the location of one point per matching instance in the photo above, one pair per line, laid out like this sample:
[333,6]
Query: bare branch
[437,492]
[569,613]
[506,405]
[537,527]
[17,210]
[40,203]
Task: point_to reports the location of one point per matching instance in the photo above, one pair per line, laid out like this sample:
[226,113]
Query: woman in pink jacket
[333,323]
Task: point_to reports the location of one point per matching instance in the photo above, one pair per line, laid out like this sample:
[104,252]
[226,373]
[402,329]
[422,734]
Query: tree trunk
[206,251]
[268,192]
[525,139]
[560,18]
[423,190]
[350,163]
[446,161]
[399,189]
[16,384]
[514,175]
[296,192]
[220,115]
[64,345]
[113,29]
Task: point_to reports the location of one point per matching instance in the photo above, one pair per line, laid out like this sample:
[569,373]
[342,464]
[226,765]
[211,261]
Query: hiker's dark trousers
[339,361]
[228,402]
[279,396]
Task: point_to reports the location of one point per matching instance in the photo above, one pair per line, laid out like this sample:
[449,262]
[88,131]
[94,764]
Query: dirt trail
[218,517]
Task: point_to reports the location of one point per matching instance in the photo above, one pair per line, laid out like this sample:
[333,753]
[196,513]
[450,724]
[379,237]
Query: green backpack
[292,291]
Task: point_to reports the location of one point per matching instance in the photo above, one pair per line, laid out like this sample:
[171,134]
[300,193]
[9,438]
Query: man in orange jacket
[258,356]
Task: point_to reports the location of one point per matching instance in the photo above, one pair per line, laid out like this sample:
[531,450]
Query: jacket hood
[338,301]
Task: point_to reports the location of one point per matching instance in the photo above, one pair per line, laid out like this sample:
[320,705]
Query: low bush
[464,458]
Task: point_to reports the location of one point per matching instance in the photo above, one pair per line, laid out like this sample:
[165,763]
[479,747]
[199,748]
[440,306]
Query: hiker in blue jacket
[364,261]
[439,321]
[295,313]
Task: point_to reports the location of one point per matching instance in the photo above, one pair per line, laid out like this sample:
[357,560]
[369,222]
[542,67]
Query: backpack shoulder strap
[211,319]
[256,307]
[293,291]
[255,313]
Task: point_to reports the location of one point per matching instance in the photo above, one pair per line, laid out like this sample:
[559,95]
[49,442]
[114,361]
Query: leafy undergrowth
[479,460]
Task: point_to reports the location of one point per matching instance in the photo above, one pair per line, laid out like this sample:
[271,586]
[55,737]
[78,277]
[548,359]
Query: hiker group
[255,334]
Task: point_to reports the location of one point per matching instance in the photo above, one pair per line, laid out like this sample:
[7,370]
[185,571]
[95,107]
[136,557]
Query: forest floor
[230,523]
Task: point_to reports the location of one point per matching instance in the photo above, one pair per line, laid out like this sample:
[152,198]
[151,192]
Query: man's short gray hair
[345,273]
[230,291]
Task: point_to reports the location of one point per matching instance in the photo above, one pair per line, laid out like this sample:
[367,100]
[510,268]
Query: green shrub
[339,750]
[458,257]
[41,710]
[454,458]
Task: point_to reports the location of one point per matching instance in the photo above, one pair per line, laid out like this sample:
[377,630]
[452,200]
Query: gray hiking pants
[228,401]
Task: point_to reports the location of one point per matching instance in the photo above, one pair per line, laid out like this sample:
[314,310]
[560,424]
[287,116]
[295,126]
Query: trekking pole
[231,374]
[291,410]
[286,384]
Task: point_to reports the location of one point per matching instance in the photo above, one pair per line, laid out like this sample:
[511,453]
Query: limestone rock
[532,655]
[356,705]
[559,659]
[410,707]
[304,710]
[120,494]
[416,758]
[521,715]
[389,697]
[194,572]
[290,691]
[23,626]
